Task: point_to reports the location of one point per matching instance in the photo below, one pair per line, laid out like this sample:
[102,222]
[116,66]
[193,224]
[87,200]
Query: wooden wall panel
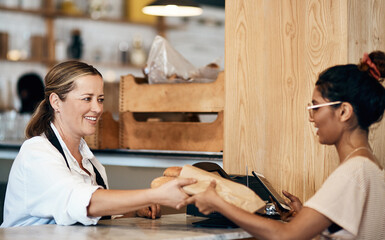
[274,52]
[244,103]
[367,33]
[325,37]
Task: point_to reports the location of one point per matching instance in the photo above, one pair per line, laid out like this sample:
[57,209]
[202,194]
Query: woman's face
[325,120]
[82,107]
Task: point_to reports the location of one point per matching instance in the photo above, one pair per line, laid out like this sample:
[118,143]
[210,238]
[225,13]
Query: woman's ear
[346,111]
[54,100]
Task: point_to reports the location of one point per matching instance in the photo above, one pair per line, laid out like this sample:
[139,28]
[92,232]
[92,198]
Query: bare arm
[307,224]
[110,202]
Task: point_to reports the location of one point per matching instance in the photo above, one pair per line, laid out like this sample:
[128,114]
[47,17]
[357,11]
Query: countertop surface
[174,226]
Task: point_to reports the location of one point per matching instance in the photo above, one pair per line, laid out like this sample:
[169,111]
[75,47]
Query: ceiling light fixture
[173,8]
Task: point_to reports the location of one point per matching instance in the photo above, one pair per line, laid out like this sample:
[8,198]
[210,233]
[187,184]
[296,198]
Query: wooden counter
[175,226]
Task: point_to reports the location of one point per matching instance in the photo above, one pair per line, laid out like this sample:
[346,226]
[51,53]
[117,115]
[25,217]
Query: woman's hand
[295,204]
[152,212]
[204,201]
[171,193]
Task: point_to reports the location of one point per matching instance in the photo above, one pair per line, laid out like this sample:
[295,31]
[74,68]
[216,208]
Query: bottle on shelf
[75,49]
[123,51]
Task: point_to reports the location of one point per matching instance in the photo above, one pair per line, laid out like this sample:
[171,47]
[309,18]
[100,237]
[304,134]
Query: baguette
[157,182]
[172,171]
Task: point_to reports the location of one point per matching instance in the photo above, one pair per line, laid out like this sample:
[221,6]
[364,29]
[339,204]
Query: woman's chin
[90,131]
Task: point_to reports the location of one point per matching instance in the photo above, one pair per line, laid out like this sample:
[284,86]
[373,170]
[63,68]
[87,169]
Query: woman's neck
[71,142]
[353,143]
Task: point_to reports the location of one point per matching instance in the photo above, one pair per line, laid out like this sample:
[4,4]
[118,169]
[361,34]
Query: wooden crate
[106,135]
[139,97]
[182,136]
[136,96]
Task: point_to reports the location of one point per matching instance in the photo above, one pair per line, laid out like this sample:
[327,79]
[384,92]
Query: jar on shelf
[98,8]
[138,55]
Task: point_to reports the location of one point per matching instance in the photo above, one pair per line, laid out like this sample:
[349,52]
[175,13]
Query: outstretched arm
[110,202]
[307,224]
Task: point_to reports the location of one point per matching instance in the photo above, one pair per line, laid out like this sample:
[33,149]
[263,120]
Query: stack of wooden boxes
[138,97]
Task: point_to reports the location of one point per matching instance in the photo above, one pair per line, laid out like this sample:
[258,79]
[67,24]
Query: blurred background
[114,36]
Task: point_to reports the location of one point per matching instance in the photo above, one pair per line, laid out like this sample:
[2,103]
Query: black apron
[55,142]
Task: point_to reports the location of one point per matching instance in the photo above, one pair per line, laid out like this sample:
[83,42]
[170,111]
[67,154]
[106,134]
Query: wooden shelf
[59,14]
[22,10]
[49,13]
[39,61]
[51,63]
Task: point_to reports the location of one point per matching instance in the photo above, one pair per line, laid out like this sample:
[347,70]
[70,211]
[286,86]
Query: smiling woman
[79,112]
[55,178]
[347,100]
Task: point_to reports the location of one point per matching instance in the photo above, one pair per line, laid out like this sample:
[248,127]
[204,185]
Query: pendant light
[173,8]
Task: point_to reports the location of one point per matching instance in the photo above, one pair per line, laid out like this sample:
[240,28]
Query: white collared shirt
[42,190]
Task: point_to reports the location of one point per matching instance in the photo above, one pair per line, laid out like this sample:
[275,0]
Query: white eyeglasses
[312,107]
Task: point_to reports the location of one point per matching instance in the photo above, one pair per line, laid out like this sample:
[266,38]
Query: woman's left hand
[152,212]
[204,201]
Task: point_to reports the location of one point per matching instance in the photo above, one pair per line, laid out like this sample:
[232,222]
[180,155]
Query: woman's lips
[91,119]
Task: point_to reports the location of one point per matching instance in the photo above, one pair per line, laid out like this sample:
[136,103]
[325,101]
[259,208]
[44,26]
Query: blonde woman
[55,178]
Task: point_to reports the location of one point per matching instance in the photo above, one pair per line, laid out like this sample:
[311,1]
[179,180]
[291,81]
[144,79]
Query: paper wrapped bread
[169,174]
[172,171]
[160,181]
[232,192]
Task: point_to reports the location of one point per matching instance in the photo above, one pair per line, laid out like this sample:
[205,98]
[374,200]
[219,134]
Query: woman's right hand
[171,193]
[295,204]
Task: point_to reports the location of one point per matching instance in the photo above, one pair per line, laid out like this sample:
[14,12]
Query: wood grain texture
[111,97]
[183,136]
[367,33]
[181,97]
[274,53]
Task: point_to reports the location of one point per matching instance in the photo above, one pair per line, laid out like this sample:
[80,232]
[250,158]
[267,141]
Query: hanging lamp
[173,8]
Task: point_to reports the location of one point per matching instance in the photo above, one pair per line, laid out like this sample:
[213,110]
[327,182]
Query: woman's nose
[97,106]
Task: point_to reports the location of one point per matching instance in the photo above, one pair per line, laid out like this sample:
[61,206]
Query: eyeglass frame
[310,107]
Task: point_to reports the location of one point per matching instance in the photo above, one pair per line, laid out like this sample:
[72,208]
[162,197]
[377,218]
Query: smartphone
[271,191]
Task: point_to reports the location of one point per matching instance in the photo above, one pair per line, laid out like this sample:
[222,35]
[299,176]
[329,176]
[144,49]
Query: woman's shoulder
[361,163]
[34,141]
[360,169]
[36,144]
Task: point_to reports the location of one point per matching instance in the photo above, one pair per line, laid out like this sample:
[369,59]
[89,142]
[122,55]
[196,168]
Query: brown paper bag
[232,192]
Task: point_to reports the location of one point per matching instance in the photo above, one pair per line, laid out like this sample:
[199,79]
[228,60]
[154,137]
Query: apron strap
[55,142]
